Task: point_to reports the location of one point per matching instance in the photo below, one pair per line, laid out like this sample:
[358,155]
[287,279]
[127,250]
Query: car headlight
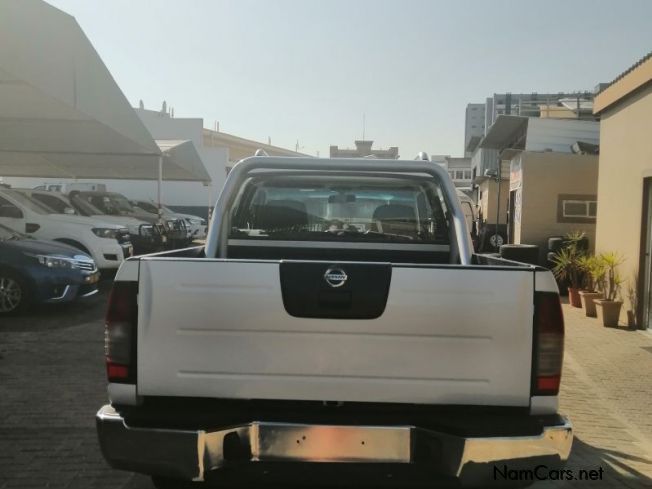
[195,222]
[53,261]
[105,233]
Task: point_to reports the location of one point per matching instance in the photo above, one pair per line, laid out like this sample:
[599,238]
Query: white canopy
[61,112]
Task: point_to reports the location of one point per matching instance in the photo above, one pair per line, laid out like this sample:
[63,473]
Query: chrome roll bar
[217,239]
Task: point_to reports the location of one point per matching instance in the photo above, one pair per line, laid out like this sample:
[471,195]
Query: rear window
[402,209]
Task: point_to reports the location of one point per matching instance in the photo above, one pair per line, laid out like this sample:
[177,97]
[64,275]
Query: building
[536,105]
[459,170]
[546,148]
[551,194]
[363,149]
[625,183]
[474,121]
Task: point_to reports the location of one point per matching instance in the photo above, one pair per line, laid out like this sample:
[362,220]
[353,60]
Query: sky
[307,71]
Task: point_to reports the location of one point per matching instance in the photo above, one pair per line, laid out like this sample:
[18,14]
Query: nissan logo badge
[335,277]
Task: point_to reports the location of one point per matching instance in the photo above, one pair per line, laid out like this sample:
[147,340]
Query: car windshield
[318,208]
[84,207]
[31,204]
[148,207]
[111,204]
[7,234]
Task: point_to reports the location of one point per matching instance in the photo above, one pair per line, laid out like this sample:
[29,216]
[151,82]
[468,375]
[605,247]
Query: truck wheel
[171,483]
[14,294]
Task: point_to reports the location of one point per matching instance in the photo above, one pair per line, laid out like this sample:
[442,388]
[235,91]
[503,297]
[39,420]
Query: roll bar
[217,239]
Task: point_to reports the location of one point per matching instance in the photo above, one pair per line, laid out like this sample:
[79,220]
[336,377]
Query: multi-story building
[474,123]
[459,170]
[363,149]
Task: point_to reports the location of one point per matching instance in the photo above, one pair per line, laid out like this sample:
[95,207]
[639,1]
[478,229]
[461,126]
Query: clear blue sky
[307,70]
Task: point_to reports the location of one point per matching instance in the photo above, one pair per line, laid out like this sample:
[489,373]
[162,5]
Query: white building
[474,123]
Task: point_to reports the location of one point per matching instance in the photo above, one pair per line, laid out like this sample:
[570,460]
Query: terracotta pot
[574,297]
[610,311]
[589,306]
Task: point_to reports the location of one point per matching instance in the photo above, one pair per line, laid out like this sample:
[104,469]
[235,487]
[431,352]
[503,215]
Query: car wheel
[13,293]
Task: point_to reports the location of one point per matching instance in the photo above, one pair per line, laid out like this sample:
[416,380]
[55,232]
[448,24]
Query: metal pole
[159,189]
[210,202]
[498,179]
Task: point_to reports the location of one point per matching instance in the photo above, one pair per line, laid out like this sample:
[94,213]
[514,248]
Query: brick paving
[52,382]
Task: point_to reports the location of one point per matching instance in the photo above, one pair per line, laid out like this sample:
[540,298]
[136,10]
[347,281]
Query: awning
[182,161]
[504,131]
[62,113]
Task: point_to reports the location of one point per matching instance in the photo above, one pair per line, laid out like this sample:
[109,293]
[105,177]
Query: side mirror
[10,211]
[69,210]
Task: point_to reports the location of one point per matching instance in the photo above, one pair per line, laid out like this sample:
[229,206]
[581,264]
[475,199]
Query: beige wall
[625,159]
[545,176]
[489,200]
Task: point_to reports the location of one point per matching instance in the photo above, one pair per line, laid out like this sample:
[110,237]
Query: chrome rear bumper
[191,455]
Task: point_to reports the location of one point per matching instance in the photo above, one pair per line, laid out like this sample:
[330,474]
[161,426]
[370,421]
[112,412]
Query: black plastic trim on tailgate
[362,295]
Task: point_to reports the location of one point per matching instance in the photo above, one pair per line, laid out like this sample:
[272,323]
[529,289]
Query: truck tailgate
[447,335]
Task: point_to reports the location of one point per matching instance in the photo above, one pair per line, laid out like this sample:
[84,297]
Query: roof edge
[637,76]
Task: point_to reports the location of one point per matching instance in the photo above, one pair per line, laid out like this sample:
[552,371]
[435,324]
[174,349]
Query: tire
[555,243]
[14,293]
[523,253]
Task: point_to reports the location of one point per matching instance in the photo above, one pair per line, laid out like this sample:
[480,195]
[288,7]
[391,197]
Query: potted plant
[594,271]
[632,296]
[610,286]
[566,267]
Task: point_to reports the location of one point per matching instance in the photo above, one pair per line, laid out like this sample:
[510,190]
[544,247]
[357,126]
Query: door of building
[647,295]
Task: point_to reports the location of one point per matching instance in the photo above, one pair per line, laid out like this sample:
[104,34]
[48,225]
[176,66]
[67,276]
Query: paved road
[52,382]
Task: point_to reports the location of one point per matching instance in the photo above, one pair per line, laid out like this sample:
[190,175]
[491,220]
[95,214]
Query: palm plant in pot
[594,270]
[610,286]
[566,267]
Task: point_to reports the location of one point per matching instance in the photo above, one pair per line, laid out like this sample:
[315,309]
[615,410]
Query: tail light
[120,333]
[548,352]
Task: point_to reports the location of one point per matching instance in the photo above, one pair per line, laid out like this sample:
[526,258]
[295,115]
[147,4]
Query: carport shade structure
[62,114]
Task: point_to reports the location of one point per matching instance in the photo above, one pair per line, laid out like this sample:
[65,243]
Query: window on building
[577,208]
[467,174]
[459,175]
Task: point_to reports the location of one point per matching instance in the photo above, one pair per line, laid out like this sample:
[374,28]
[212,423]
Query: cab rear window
[325,208]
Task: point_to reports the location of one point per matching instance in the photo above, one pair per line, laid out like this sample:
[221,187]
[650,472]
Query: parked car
[113,203]
[145,237]
[35,271]
[107,243]
[336,314]
[196,226]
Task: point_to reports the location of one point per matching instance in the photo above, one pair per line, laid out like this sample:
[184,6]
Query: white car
[109,244]
[145,237]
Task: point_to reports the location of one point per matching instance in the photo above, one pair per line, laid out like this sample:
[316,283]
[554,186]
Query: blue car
[33,271]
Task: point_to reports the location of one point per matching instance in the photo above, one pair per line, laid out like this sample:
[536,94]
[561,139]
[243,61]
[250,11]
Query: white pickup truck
[337,325]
